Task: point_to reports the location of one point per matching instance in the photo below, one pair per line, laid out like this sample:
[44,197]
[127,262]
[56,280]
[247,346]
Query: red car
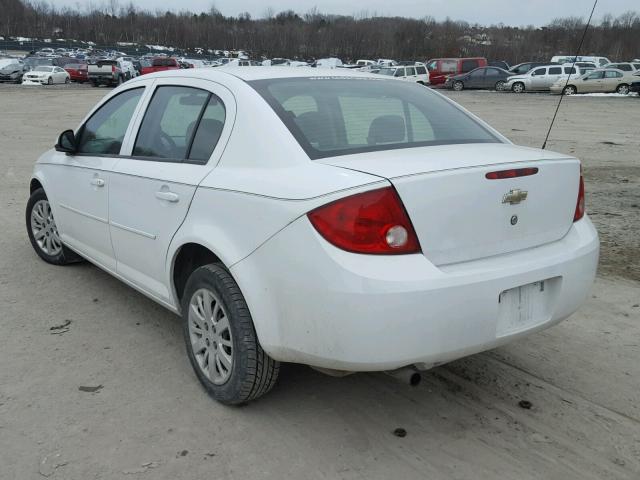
[441,68]
[161,64]
[77,72]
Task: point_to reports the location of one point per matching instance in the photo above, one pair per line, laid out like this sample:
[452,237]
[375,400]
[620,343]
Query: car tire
[43,233]
[569,90]
[242,371]
[518,87]
[120,80]
[458,86]
[623,89]
[50,81]
[499,86]
[67,80]
[94,83]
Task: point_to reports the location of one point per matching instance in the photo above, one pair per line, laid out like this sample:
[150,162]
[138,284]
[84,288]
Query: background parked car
[491,78]
[635,83]
[106,72]
[624,66]
[12,70]
[499,64]
[598,61]
[604,80]
[440,68]
[33,62]
[78,72]
[45,76]
[541,78]
[161,64]
[411,73]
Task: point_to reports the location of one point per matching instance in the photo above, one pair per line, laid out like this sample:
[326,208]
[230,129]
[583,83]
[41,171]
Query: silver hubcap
[500,86]
[210,336]
[624,90]
[44,228]
[517,88]
[457,86]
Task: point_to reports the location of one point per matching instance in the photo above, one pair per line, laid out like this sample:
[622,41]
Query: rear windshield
[332,116]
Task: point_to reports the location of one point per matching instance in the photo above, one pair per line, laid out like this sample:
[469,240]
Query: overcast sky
[510,12]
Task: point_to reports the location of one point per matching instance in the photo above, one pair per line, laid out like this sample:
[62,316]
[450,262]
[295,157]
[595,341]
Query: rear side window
[612,74]
[104,132]
[180,123]
[421,70]
[344,115]
[468,65]
[555,70]
[569,70]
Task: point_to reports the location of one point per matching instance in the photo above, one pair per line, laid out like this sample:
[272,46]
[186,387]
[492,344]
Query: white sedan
[343,220]
[46,75]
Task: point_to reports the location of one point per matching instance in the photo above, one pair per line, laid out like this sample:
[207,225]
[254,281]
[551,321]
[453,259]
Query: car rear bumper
[315,304]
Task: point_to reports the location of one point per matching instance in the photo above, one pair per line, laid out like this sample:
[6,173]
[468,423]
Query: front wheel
[221,340]
[43,232]
[518,87]
[458,86]
[50,81]
[67,80]
[622,89]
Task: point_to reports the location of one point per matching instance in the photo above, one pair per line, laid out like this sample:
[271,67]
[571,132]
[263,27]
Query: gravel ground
[112,395]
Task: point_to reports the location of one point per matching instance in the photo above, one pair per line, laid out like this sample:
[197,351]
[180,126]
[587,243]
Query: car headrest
[313,126]
[386,129]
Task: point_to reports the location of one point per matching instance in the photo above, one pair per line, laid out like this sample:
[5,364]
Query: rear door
[475,79]
[553,74]
[179,140]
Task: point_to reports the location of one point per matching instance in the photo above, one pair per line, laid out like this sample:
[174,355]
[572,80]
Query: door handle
[98,182]
[168,196]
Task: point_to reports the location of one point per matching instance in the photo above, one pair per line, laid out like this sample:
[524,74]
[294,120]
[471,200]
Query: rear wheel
[43,232]
[518,87]
[67,80]
[622,89]
[221,340]
[458,86]
[94,83]
[569,90]
[499,86]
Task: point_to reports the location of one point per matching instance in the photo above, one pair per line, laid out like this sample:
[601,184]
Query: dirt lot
[149,418]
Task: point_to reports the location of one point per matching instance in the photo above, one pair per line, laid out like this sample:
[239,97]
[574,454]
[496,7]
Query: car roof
[263,73]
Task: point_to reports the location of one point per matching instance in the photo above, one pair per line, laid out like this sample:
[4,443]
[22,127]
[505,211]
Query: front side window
[344,115]
[539,71]
[104,132]
[411,71]
[177,120]
[432,65]
[399,72]
[595,76]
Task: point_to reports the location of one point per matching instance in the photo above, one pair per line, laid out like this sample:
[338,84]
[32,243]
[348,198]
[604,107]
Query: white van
[599,61]
[411,73]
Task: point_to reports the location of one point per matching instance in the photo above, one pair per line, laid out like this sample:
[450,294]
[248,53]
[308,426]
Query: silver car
[541,78]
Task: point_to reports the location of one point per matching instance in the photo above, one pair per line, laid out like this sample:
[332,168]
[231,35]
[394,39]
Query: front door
[537,78]
[79,183]
[152,188]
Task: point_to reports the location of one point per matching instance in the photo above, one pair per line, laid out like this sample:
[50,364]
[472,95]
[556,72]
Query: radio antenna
[573,65]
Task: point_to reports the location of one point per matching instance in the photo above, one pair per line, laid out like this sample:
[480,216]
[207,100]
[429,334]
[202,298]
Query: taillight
[580,203]
[113,69]
[373,222]
[512,173]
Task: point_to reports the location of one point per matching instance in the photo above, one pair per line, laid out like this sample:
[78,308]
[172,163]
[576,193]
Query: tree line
[314,34]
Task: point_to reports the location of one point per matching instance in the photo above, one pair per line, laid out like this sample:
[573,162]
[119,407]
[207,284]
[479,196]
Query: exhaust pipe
[406,375]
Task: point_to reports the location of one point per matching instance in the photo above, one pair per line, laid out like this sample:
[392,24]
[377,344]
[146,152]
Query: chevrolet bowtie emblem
[515,196]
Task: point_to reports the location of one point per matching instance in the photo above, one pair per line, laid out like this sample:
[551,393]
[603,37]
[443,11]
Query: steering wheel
[167,142]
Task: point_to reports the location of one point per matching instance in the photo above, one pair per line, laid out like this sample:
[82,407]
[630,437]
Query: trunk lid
[459,214]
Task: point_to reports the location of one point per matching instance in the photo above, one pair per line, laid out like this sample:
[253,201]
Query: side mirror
[66,142]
